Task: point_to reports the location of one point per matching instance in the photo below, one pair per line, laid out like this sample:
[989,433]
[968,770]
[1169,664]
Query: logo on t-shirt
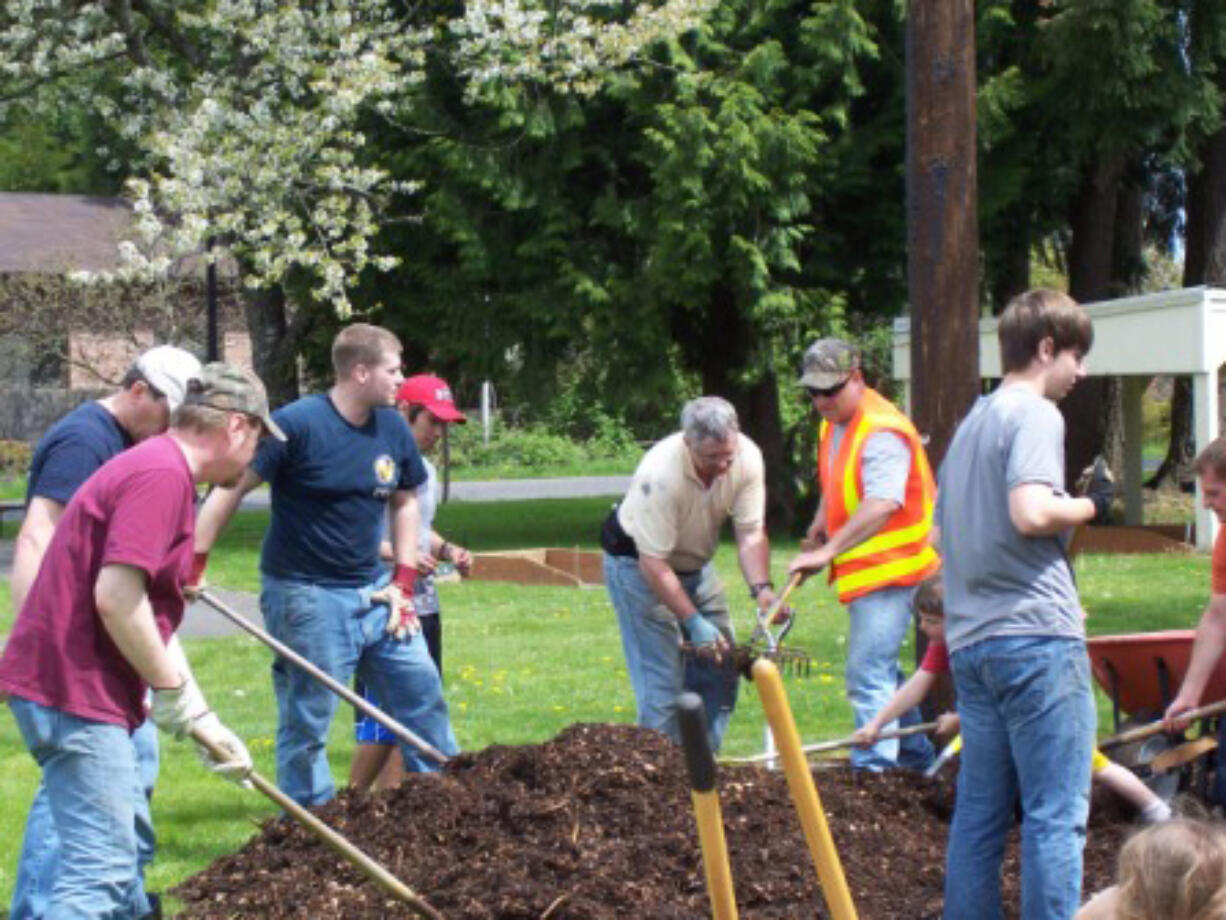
[385,470]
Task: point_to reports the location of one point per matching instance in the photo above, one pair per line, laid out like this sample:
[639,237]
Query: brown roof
[61,233]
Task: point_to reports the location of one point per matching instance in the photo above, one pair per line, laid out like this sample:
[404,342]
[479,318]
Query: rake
[766,641]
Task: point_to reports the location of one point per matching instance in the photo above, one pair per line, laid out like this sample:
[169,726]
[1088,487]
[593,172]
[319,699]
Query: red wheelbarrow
[1141,673]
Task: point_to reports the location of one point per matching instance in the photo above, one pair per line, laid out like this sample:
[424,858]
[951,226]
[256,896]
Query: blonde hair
[199,418]
[1175,870]
[361,343]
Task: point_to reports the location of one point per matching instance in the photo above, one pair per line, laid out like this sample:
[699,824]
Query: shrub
[14,459]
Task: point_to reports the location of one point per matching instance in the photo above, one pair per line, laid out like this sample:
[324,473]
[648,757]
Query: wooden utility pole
[942,217]
[942,231]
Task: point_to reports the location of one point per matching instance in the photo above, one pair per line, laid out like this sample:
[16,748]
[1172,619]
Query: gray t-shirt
[425,593]
[998,582]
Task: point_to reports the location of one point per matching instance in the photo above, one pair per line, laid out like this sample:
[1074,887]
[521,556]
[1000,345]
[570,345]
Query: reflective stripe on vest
[899,554]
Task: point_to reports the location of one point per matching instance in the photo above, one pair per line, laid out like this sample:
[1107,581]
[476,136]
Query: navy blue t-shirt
[330,484]
[72,450]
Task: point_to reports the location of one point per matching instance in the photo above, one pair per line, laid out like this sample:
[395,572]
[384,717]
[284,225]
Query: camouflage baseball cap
[232,389]
[827,363]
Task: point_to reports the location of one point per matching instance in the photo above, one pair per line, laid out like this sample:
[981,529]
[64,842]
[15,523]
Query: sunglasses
[827,392]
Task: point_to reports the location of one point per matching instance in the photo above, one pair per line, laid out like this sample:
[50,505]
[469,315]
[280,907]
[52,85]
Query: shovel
[1184,753]
[1155,727]
[400,731]
[849,741]
[376,872]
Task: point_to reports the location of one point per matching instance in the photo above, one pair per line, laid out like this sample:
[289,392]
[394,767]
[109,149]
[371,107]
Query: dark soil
[597,824]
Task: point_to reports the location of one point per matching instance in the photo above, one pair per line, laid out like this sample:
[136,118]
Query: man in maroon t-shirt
[97,628]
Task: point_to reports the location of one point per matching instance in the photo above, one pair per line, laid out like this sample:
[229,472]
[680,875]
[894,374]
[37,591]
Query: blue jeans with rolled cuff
[342,633]
[651,638]
[1028,726]
[879,621]
[81,856]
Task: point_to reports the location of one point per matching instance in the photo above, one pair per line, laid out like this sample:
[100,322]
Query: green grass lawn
[522,663]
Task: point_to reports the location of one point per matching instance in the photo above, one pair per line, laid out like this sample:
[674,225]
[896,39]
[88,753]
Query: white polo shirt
[671,515]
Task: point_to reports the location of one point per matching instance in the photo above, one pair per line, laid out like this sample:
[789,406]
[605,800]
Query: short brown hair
[929,597]
[1213,457]
[1031,317]
[361,343]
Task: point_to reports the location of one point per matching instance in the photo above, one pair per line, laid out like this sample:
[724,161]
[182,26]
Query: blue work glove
[701,631]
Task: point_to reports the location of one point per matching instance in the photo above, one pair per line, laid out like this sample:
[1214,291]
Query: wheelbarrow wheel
[1138,755]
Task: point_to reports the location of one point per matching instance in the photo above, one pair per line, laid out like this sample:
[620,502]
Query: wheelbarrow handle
[339,844]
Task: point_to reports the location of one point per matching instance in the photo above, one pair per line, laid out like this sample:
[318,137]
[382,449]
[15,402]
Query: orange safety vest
[901,552]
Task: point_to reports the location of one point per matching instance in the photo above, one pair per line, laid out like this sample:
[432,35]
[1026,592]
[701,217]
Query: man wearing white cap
[67,455]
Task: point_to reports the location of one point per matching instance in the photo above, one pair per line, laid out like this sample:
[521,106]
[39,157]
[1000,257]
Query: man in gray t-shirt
[1013,622]
[997,581]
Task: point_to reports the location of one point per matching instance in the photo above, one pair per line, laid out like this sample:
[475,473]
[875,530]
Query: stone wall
[27,412]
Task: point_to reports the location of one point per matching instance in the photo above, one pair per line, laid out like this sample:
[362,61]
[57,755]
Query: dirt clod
[597,824]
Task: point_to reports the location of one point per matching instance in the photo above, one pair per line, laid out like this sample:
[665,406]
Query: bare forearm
[28,555]
[1037,511]
[666,586]
[864,524]
[907,696]
[37,528]
[1206,651]
[218,508]
[123,606]
[754,554]
[406,522]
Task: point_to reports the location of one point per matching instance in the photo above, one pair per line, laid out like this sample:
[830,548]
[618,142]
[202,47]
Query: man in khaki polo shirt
[658,546]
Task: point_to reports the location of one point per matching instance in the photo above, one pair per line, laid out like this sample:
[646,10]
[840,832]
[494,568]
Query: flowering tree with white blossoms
[251,118]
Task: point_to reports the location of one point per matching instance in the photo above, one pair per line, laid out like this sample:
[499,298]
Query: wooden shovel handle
[337,843]
[796,579]
[1155,727]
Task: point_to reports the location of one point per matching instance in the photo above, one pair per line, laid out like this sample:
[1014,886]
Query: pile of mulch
[597,824]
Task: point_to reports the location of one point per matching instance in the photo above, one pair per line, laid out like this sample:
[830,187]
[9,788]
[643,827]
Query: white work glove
[237,765]
[174,709]
[397,594]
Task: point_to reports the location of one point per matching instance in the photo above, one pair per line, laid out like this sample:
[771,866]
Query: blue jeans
[1028,725]
[339,631]
[650,640]
[91,785]
[879,623]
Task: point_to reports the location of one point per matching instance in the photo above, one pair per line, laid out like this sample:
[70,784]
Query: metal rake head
[792,661]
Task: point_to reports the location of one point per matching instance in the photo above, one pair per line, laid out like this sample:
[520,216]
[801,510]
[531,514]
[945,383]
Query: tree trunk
[273,343]
[1012,274]
[942,234]
[1090,262]
[1127,273]
[1204,263]
[942,217]
[719,343]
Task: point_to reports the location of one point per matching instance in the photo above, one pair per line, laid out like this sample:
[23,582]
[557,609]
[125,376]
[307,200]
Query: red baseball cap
[433,393]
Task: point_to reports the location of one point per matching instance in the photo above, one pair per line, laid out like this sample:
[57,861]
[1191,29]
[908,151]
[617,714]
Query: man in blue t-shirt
[68,454]
[349,455]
